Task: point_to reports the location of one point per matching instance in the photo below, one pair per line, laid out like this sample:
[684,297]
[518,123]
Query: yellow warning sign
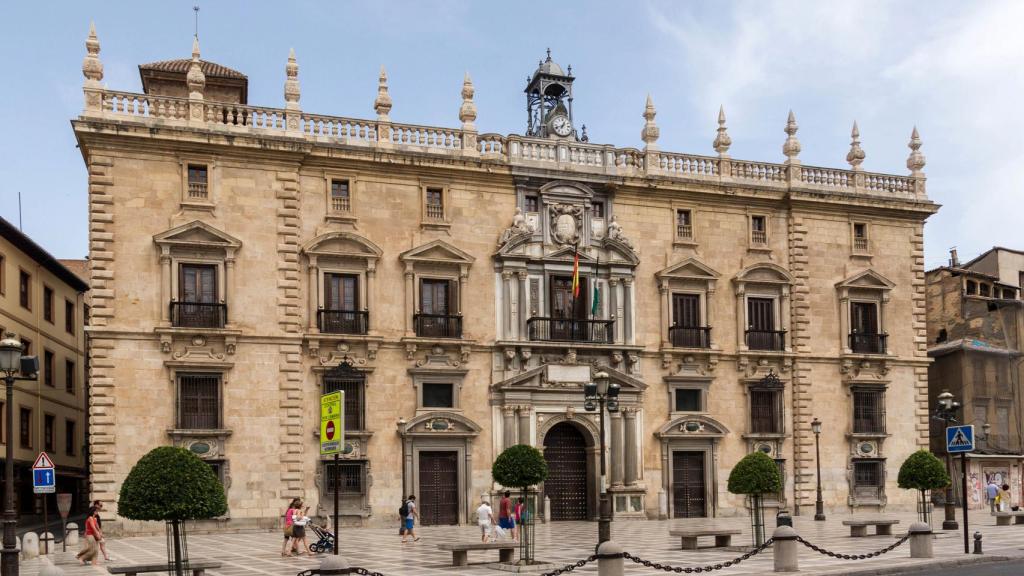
[332,429]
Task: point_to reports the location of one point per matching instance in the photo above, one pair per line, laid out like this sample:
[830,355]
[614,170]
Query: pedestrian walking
[101,541]
[519,515]
[992,493]
[1005,498]
[289,521]
[410,519]
[299,522]
[484,519]
[505,521]
[93,534]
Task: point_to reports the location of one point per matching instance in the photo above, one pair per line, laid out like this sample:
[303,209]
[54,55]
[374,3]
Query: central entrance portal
[565,449]
[439,488]
[688,494]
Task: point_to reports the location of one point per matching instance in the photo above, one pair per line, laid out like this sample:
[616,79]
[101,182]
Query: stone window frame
[754,383]
[320,262]
[49,309]
[445,222]
[758,246]
[175,252]
[419,264]
[675,280]
[27,276]
[777,288]
[455,377]
[854,249]
[341,216]
[673,383]
[865,286]
[175,369]
[880,497]
[212,181]
[681,241]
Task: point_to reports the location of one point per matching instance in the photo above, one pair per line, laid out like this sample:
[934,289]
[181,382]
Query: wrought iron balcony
[437,325]
[690,336]
[772,340]
[570,330]
[199,314]
[342,321]
[868,343]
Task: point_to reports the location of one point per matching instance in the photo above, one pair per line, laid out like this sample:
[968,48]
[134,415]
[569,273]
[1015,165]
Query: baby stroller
[325,540]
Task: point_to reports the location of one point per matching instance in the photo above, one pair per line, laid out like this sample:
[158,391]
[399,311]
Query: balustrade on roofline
[513,149]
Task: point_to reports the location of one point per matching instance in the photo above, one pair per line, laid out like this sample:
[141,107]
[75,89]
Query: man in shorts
[484,518]
[410,520]
[505,519]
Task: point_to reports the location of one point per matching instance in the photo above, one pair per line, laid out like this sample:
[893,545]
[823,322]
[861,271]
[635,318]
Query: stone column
[506,304]
[229,284]
[741,316]
[708,317]
[509,426]
[313,298]
[410,298]
[666,313]
[616,448]
[523,311]
[629,414]
[371,299]
[785,320]
[613,306]
[524,425]
[844,320]
[165,288]
[463,280]
[627,312]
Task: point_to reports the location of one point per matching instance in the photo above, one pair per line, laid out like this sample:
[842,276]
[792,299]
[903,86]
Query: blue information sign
[43,480]
[960,439]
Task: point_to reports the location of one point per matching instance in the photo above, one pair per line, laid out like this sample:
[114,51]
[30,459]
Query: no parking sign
[332,430]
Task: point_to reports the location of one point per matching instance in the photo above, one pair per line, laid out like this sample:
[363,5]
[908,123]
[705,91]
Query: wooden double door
[689,490]
[565,450]
[439,488]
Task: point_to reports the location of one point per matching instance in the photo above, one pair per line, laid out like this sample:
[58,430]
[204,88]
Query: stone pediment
[619,251]
[342,244]
[437,252]
[562,376]
[692,426]
[688,269]
[196,234]
[566,190]
[867,280]
[566,253]
[764,273]
[440,423]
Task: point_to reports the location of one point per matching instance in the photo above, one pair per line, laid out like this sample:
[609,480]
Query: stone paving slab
[560,543]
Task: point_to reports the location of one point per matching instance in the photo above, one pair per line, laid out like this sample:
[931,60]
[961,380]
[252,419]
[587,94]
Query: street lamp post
[946,411]
[598,395]
[819,505]
[11,363]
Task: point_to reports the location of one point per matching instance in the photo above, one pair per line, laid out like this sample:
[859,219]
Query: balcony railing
[570,330]
[341,204]
[437,325]
[759,237]
[342,321]
[868,343]
[860,244]
[199,314]
[435,211]
[684,231]
[197,189]
[773,340]
[690,336]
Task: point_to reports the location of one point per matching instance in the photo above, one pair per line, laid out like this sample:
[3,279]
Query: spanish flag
[576,274]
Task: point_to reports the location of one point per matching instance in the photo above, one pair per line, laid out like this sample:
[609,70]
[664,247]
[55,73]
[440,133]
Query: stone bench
[1003,518]
[460,552]
[196,567]
[688,537]
[859,528]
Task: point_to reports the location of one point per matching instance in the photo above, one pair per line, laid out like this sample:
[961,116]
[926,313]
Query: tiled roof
[37,253]
[181,66]
[80,267]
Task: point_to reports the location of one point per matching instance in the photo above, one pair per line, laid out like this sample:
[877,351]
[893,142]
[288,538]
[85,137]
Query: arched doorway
[565,450]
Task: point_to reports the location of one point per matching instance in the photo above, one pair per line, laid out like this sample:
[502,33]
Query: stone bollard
[977,543]
[920,540]
[547,509]
[784,549]
[46,543]
[332,564]
[50,569]
[72,535]
[30,545]
[610,561]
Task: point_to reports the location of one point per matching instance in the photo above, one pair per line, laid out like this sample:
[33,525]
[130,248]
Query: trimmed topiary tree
[755,475]
[923,471]
[172,485]
[521,466]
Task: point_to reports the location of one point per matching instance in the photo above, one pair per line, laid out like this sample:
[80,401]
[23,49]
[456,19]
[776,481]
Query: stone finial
[791,148]
[195,77]
[92,68]
[856,155]
[382,105]
[915,162]
[291,84]
[650,132]
[722,139]
[467,112]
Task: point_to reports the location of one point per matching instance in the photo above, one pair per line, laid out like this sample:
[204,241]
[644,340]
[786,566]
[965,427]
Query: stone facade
[428,271]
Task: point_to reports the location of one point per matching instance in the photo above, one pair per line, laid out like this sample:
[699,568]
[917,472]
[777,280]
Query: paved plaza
[560,543]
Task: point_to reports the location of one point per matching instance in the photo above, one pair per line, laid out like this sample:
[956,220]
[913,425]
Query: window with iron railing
[860,237]
[765,411]
[198,182]
[687,400]
[349,477]
[341,200]
[199,401]
[868,412]
[684,225]
[435,203]
[758,230]
[354,407]
[867,477]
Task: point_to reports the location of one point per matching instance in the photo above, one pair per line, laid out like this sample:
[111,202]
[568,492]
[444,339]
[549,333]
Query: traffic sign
[332,429]
[43,461]
[960,439]
[43,481]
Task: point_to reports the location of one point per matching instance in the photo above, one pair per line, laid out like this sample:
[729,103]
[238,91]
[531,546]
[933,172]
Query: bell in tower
[549,102]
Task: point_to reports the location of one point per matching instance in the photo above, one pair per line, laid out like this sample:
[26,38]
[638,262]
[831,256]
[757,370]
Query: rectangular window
[69,376]
[341,201]
[972,287]
[860,237]
[765,411]
[758,230]
[354,406]
[980,414]
[48,424]
[561,300]
[761,331]
[25,427]
[198,182]
[1002,427]
[25,289]
[199,401]
[868,412]
[348,475]
[198,283]
[3,274]
[341,292]
[687,400]
[867,477]
[438,395]
[48,368]
[435,203]
[70,442]
[3,423]
[26,349]
[598,208]
[531,204]
[48,304]
[985,289]
[687,330]
[684,224]
[69,317]
[864,333]
[435,296]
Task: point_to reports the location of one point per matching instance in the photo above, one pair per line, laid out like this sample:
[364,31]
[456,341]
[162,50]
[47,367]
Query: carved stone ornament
[615,232]
[566,221]
[439,425]
[519,227]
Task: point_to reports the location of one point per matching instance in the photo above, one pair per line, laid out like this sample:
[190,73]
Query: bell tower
[549,102]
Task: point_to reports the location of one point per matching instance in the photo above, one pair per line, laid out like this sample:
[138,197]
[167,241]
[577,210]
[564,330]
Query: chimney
[954,261]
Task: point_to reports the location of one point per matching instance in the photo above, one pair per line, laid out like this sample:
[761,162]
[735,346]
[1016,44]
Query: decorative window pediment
[342,245]
[440,423]
[197,234]
[689,269]
[692,426]
[764,273]
[561,376]
[866,280]
[437,252]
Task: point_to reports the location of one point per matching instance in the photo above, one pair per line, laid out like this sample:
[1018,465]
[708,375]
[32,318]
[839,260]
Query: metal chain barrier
[366,572]
[354,570]
[699,569]
[821,550]
[570,567]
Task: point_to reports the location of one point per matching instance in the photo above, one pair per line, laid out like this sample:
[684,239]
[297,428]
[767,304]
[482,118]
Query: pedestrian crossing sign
[960,439]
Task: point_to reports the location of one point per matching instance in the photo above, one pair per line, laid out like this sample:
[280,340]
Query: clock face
[560,124]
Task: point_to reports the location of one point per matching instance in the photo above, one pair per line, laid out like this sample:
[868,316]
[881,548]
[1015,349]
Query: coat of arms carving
[566,221]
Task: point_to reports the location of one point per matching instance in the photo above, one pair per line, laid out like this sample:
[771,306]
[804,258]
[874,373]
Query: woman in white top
[484,518]
[299,522]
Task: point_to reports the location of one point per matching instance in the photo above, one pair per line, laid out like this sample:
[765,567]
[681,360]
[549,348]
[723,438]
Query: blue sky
[951,68]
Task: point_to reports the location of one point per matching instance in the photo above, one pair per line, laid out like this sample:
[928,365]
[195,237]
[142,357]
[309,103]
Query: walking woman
[93,534]
[99,524]
[299,522]
[289,525]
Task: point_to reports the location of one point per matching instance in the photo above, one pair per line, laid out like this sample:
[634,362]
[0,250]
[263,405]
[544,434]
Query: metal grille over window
[349,475]
[197,182]
[199,401]
[867,478]
[435,203]
[765,412]
[868,412]
[341,201]
[350,381]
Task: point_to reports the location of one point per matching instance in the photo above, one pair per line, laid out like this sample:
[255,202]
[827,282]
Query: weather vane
[195,9]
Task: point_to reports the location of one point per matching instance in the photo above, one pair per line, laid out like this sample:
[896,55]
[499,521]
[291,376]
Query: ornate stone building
[245,259]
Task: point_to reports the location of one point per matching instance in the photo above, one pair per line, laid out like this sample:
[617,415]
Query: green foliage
[756,473]
[171,483]
[923,471]
[520,466]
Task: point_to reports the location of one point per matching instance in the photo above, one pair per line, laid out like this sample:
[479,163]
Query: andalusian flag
[575,274]
[595,302]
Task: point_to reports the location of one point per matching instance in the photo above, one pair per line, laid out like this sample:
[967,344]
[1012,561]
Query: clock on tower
[549,101]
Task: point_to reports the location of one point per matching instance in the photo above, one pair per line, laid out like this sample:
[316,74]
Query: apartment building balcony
[570,330]
[690,336]
[342,321]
